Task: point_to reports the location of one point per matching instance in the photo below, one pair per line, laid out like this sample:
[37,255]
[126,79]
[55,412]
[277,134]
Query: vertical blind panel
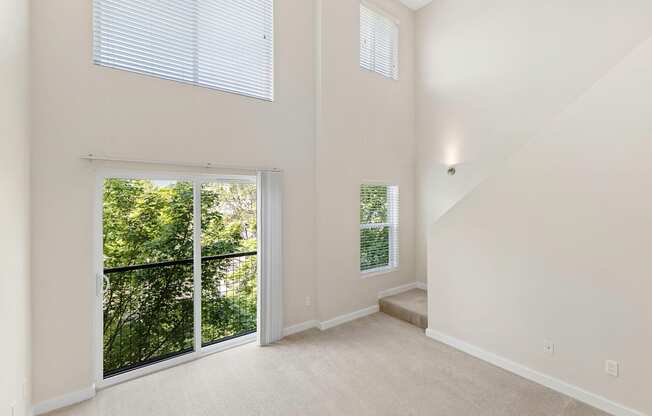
[378,43]
[379,227]
[222,44]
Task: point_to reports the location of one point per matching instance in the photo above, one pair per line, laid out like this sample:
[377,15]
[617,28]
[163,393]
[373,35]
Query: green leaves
[148,314]
[374,248]
[374,205]
[374,231]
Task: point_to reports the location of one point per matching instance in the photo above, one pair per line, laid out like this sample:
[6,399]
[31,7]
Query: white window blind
[379,226]
[378,42]
[222,44]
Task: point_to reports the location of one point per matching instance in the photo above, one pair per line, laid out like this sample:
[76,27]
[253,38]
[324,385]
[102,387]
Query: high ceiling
[415,4]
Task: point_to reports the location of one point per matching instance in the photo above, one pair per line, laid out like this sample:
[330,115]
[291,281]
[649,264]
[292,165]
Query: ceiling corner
[415,4]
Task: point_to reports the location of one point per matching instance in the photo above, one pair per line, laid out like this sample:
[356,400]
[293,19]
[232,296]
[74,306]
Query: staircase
[410,306]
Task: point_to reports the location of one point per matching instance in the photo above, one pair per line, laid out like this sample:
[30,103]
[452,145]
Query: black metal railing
[149,308]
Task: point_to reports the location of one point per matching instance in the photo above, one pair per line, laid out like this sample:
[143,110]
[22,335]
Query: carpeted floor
[377,365]
[410,306]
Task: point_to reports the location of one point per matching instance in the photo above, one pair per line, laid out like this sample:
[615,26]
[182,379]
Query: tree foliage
[148,313]
[374,238]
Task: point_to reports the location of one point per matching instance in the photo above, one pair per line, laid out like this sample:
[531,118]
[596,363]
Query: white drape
[270,257]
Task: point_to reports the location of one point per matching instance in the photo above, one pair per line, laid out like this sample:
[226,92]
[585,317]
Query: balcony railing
[149,308]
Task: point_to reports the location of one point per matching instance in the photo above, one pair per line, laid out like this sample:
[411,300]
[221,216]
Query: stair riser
[403,314]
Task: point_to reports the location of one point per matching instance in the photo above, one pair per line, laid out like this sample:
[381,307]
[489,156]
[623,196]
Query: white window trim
[378,272]
[397,49]
[394,236]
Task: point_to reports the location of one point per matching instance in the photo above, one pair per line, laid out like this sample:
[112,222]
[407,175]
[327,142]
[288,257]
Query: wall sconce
[451,171]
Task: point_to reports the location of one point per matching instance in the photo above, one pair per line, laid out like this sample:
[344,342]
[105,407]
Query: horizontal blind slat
[221,44]
[378,43]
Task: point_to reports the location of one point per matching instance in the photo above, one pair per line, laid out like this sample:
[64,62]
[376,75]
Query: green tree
[374,239]
[148,313]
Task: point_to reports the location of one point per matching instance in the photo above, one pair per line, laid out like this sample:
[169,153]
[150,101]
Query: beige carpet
[373,366]
[410,306]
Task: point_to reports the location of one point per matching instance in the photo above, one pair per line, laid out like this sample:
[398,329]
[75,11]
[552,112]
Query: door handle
[102,284]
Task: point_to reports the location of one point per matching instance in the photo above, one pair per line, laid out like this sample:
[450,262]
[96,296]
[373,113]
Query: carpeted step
[410,306]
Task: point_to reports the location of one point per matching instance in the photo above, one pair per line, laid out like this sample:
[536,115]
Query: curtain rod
[208,165]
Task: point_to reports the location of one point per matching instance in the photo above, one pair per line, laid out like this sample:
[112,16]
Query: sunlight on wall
[452,139]
[452,157]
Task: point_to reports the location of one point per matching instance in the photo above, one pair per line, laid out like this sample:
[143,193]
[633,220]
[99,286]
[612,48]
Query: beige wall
[554,244]
[15,367]
[365,131]
[81,108]
[490,76]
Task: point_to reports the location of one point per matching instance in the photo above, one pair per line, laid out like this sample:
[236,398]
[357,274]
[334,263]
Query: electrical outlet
[308,301]
[548,347]
[612,368]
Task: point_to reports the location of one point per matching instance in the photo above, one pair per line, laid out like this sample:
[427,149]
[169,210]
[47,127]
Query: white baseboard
[401,289]
[304,326]
[64,401]
[560,386]
[331,323]
[324,325]
[396,290]
[342,319]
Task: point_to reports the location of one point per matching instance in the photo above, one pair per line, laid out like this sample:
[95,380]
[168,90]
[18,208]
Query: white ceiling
[415,4]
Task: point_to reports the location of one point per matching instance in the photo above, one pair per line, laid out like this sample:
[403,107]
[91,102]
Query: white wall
[81,108]
[491,76]
[15,367]
[365,131]
[554,244]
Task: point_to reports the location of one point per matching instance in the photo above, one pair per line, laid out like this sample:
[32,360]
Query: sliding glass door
[179,267]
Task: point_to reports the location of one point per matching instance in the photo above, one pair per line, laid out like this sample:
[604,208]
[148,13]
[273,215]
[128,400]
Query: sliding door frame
[197,179]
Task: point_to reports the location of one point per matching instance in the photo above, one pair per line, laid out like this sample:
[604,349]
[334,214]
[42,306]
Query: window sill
[378,272]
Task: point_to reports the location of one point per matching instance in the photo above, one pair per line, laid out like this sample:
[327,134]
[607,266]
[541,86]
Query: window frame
[396,50]
[194,82]
[392,223]
[96,288]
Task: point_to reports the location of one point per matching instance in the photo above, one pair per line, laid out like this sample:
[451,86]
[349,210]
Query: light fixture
[452,171]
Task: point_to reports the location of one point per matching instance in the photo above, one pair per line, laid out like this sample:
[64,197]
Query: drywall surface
[555,244]
[492,75]
[15,373]
[365,132]
[81,108]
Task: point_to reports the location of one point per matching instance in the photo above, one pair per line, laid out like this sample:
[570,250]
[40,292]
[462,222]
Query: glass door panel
[148,268]
[228,246]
